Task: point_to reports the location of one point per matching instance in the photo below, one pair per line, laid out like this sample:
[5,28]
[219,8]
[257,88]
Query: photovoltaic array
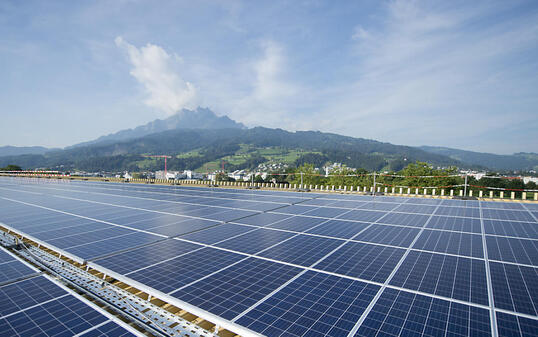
[298,264]
[34,305]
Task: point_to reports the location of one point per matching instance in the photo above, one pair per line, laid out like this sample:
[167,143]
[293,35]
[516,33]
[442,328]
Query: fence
[460,190]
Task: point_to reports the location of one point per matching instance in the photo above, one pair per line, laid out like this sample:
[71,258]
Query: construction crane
[160,156]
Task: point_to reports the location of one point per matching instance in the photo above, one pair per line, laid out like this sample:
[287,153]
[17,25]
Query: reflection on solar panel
[287,263]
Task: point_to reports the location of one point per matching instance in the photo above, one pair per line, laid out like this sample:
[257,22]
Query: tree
[11,168]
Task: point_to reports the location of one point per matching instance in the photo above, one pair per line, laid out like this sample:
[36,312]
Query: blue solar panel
[399,313]
[183,227]
[178,272]
[404,219]
[507,215]
[295,209]
[104,247]
[458,224]
[23,294]
[229,284]
[420,209]
[255,241]
[313,304]
[217,233]
[65,316]
[109,329]
[339,228]
[297,223]
[303,250]
[378,206]
[389,235]
[511,228]
[263,219]
[444,275]
[362,215]
[515,287]
[327,212]
[450,242]
[512,250]
[458,211]
[369,262]
[143,257]
[516,326]
[12,269]
[232,291]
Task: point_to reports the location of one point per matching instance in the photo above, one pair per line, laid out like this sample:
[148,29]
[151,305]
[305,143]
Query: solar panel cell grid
[303,250]
[232,291]
[450,242]
[339,228]
[314,304]
[63,316]
[143,257]
[389,235]
[23,294]
[443,275]
[399,313]
[173,274]
[515,287]
[298,223]
[404,219]
[516,326]
[255,241]
[233,285]
[469,225]
[368,262]
[512,250]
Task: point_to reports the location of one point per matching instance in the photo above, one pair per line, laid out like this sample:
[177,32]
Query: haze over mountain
[19,150]
[516,161]
[198,137]
[201,118]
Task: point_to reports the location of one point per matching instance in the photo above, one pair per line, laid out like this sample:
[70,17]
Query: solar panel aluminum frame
[215,319]
[43,243]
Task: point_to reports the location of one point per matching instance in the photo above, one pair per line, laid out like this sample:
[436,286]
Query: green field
[272,154]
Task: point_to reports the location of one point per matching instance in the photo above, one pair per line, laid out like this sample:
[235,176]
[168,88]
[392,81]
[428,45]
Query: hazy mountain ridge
[21,150]
[201,118]
[516,161]
[217,143]
[217,137]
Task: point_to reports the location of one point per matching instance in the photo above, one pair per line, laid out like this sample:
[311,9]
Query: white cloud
[158,72]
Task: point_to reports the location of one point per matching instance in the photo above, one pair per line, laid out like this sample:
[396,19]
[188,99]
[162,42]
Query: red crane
[160,156]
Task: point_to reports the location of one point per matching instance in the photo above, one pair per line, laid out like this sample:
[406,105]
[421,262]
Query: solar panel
[303,250]
[11,268]
[173,274]
[444,275]
[388,235]
[450,242]
[400,313]
[283,263]
[365,261]
[39,307]
[515,288]
[512,250]
[234,290]
[315,304]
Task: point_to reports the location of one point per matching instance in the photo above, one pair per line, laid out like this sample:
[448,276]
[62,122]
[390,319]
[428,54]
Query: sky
[460,74]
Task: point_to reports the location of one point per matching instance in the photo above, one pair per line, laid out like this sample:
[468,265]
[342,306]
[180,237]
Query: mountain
[516,161]
[241,148]
[201,118]
[16,150]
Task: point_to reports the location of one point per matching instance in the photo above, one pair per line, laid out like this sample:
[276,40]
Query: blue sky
[447,73]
